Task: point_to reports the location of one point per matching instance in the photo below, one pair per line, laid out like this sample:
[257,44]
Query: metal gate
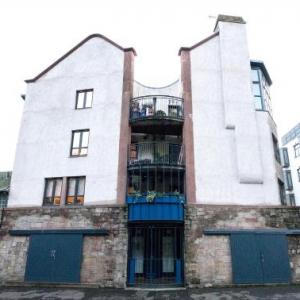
[54,258]
[259,258]
[155,255]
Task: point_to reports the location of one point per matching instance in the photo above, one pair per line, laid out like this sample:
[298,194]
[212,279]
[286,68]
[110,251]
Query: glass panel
[75,151]
[138,253]
[49,187]
[254,75]
[83,151]
[81,185]
[48,200]
[79,200]
[70,199]
[168,253]
[256,89]
[58,187]
[56,201]
[258,103]
[76,139]
[89,98]
[85,138]
[80,100]
[71,186]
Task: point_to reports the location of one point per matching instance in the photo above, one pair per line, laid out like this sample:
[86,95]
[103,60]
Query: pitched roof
[199,43]
[96,35]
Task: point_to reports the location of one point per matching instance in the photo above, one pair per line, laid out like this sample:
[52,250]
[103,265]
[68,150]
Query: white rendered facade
[234,156]
[49,116]
[233,152]
[291,144]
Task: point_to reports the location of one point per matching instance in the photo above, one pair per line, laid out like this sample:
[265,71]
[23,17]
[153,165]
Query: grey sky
[36,33]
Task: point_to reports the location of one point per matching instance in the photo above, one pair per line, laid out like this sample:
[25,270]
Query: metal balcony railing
[156,107]
[158,153]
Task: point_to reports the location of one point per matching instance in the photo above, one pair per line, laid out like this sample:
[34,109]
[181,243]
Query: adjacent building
[290,153]
[117,183]
[4,188]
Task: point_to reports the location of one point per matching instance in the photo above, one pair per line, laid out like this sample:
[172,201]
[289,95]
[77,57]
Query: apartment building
[290,153]
[117,183]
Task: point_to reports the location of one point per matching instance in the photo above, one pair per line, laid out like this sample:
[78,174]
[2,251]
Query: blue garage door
[259,258]
[54,258]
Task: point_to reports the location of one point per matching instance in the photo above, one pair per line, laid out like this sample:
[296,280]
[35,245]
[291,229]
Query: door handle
[53,253]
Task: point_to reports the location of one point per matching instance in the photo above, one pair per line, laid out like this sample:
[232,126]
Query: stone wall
[104,258]
[208,258]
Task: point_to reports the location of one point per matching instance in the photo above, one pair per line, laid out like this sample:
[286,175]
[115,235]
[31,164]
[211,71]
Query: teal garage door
[54,258]
[259,258]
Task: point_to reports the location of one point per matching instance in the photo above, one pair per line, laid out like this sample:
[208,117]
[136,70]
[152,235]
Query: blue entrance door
[259,258]
[54,258]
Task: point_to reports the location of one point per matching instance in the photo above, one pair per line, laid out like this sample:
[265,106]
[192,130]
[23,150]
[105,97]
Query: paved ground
[249,293]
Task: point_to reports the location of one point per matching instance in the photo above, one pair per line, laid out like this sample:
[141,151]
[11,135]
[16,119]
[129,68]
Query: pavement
[68,293]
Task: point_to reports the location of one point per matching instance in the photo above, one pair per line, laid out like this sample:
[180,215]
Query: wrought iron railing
[155,271]
[158,153]
[156,107]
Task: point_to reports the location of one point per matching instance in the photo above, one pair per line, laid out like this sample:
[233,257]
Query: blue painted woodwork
[274,258]
[157,199]
[54,258]
[27,232]
[155,212]
[178,271]
[131,273]
[245,258]
[165,208]
[225,231]
[259,258]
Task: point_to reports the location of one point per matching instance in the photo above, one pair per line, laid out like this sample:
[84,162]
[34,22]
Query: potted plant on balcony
[150,196]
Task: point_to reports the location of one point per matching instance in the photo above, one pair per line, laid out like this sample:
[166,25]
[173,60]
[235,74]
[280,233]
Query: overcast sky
[36,33]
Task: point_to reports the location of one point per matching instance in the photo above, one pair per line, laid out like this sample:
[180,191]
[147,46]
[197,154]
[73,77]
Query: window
[297,150]
[75,190]
[288,180]
[276,148]
[255,73]
[84,99]
[52,193]
[260,89]
[291,199]
[80,141]
[298,172]
[281,192]
[285,157]
[3,198]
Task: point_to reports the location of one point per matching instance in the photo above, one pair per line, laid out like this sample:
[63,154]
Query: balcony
[156,176]
[155,153]
[156,113]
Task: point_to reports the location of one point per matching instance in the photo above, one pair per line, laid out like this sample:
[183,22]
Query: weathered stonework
[208,258]
[104,258]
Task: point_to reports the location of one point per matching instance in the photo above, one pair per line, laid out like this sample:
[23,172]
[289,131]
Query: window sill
[73,156]
[83,108]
